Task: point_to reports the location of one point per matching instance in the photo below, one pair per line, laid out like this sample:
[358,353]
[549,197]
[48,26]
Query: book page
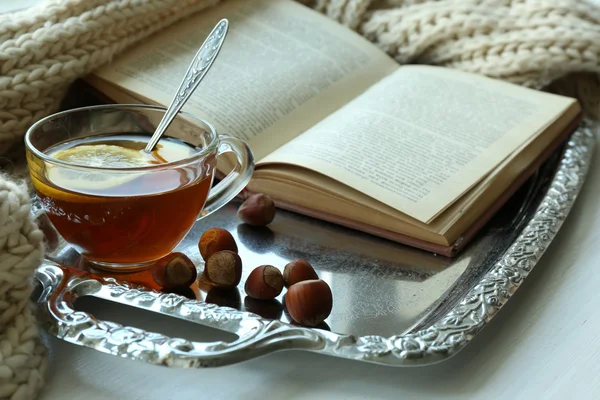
[422,137]
[282,68]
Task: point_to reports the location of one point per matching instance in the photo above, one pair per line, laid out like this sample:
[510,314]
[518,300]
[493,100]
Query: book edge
[463,240]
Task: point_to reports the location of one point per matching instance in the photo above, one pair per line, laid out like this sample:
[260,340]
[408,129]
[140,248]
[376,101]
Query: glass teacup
[124,217]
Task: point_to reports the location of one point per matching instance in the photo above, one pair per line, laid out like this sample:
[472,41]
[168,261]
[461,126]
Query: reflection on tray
[378,286]
[314,238]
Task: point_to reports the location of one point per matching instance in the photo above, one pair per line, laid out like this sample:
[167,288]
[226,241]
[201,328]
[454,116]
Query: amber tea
[119,206]
[124,216]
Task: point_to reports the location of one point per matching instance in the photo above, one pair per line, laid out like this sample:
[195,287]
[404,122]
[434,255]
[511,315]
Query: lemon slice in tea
[95,155]
[102,155]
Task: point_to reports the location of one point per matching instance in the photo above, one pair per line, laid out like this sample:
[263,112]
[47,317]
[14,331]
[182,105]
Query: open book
[417,154]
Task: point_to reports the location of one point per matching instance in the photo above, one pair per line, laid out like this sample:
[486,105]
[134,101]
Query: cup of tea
[120,207]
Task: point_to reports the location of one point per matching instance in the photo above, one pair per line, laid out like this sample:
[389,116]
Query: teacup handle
[236,180]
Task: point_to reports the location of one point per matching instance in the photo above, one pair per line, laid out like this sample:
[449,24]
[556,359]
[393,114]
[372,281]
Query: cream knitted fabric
[22,356]
[44,49]
[528,42]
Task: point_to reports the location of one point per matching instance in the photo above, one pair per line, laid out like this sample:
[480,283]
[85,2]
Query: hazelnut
[297,271]
[264,283]
[309,302]
[223,269]
[257,210]
[216,239]
[175,271]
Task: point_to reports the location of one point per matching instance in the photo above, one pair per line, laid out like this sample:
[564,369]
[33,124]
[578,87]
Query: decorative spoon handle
[200,65]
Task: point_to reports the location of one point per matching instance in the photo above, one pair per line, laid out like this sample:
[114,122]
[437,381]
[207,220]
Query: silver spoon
[200,65]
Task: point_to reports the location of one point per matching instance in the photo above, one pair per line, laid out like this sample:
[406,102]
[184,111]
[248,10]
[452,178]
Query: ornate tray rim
[60,286]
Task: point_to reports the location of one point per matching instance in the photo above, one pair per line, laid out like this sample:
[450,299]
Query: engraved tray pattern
[440,334]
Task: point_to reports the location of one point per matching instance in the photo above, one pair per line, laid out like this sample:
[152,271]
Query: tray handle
[60,286]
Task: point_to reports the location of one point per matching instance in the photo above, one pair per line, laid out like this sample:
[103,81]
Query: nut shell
[214,240]
[257,210]
[309,302]
[297,271]
[223,269]
[264,283]
[175,271]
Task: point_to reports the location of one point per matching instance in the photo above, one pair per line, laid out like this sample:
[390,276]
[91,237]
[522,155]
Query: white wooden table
[544,344]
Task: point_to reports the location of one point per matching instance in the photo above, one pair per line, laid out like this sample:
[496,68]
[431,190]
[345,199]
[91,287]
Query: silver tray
[393,305]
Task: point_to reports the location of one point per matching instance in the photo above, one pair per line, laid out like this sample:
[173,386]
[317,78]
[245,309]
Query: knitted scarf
[543,44]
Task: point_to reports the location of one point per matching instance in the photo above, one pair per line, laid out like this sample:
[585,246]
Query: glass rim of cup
[209,148]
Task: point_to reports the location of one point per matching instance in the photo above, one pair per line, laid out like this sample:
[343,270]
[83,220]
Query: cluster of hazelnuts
[308,299]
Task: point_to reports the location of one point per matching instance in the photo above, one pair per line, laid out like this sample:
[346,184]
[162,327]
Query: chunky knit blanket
[544,44]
